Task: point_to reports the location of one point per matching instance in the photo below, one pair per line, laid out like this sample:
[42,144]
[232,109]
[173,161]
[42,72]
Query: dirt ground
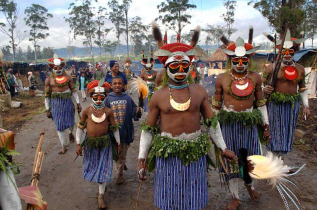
[63,186]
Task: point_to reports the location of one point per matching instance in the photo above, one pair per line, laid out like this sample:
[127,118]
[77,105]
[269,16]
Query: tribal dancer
[284,99]
[98,148]
[236,92]
[180,149]
[149,76]
[59,89]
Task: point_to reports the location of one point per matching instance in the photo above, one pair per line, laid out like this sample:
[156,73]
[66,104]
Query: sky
[207,12]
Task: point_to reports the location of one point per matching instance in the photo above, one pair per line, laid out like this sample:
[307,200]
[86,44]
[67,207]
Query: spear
[278,60]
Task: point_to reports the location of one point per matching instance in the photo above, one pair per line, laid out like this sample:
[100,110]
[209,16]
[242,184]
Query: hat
[112,62]
[56,61]
[168,53]
[239,48]
[94,86]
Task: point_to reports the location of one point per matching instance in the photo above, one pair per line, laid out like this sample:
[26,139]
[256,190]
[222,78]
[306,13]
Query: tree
[100,22]
[47,53]
[137,34]
[282,13]
[228,17]
[20,55]
[125,8]
[310,27]
[29,54]
[175,13]
[116,16]
[82,23]
[6,54]
[36,18]
[214,33]
[11,15]
[110,47]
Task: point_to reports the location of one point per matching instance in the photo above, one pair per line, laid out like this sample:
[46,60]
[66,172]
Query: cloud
[204,14]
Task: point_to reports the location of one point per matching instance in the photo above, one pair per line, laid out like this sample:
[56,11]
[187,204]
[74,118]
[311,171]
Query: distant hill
[84,51]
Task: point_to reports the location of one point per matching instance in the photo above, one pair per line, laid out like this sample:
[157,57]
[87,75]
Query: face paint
[178,71]
[98,98]
[239,64]
[58,70]
[288,54]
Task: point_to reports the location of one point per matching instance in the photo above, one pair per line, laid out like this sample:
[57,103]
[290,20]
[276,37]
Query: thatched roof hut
[218,59]
[219,55]
[201,54]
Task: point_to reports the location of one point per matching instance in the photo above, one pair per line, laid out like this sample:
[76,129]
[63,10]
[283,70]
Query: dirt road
[63,186]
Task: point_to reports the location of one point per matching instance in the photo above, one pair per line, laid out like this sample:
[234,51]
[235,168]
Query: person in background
[11,83]
[82,81]
[114,71]
[74,75]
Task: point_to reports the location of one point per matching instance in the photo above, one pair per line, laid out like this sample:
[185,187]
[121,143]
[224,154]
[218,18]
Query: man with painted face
[240,105]
[179,148]
[98,120]
[59,90]
[284,99]
[149,76]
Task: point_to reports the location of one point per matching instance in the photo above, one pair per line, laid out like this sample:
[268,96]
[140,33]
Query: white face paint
[239,64]
[178,68]
[98,98]
[58,70]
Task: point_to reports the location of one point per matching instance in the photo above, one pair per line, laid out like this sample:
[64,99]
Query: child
[82,85]
[97,163]
[124,110]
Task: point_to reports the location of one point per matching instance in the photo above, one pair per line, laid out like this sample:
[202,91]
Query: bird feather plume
[195,37]
[139,85]
[225,40]
[270,37]
[157,34]
[273,169]
[250,35]
[268,167]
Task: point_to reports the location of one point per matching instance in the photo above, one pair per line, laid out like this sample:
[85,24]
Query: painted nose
[181,69]
[287,52]
[99,98]
[240,62]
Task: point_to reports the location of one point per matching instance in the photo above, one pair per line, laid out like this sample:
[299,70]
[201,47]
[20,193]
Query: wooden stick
[38,149]
[138,198]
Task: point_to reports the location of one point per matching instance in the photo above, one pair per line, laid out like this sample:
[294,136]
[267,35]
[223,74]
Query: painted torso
[178,122]
[97,129]
[52,84]
[245,95]
[285,82]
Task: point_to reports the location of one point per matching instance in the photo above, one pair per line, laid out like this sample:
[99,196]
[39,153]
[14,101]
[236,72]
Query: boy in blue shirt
[124,110]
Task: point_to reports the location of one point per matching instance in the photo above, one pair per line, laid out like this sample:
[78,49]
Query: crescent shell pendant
[180,106]
[98,119]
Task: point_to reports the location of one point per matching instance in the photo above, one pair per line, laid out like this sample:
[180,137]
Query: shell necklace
[179,106]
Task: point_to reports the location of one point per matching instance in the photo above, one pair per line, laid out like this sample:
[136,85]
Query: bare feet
[119,180]
[71,138]
[254,195]
[234,204]
[63,150]
[101,202]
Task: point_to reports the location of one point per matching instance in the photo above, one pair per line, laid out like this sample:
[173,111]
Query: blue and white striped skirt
[177,186]
[63,113]
[283,119]
[237,136]
[97,164]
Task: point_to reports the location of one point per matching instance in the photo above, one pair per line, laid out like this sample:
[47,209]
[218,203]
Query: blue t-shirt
[120,74]
[124,110]
[82,83]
